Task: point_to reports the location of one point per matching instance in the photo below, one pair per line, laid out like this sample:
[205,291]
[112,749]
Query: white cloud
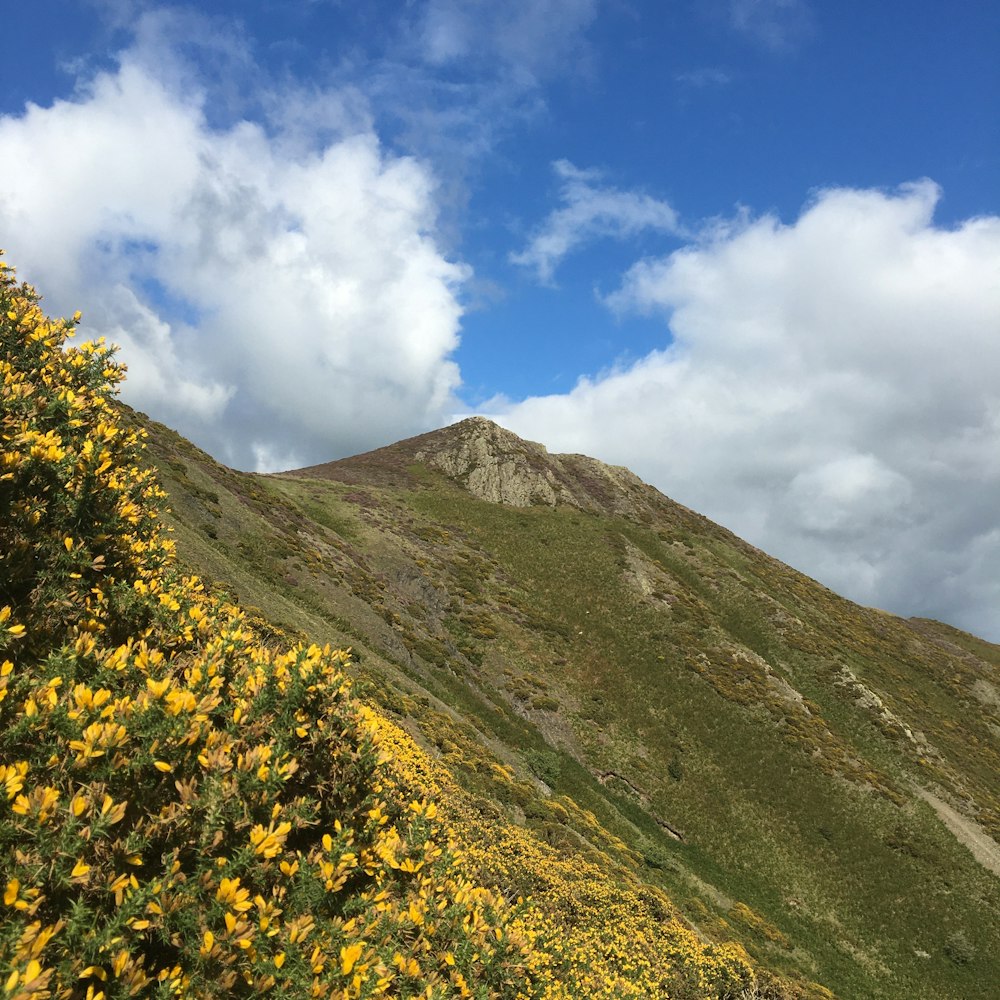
[704,77]
[775,24]
[831,393]
[532,38]
[591,211]
[159,379]
[274,300]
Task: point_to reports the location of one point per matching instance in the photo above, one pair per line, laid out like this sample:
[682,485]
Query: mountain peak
[496,465]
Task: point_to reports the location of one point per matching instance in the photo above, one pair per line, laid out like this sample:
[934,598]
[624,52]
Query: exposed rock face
[494,464]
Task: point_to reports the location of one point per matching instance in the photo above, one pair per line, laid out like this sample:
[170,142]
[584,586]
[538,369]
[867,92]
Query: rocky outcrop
[494,464]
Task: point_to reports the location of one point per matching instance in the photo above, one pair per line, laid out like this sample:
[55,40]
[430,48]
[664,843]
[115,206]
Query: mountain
[640,691]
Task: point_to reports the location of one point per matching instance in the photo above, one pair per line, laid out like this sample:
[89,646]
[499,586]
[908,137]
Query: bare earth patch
[984,848]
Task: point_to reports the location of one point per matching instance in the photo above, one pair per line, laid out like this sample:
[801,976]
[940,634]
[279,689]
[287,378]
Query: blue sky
[749,248]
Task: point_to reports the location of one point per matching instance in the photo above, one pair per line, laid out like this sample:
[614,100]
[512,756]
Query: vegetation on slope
[187,808]
[612,676]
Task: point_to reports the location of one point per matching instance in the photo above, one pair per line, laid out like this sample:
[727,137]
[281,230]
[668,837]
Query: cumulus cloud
[278,301]
[591,211]
[831,392]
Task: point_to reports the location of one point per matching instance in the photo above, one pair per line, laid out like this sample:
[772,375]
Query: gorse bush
[186,810]
[78,529]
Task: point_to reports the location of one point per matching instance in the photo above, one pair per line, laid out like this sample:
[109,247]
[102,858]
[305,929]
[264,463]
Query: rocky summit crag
[494,464]
[637,689]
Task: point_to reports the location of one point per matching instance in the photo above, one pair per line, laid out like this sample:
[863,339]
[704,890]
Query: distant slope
[627,679]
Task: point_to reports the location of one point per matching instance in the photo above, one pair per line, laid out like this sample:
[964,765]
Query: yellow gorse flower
[231,894]
[12,776]
[269,842]
[10,893]
[349,956]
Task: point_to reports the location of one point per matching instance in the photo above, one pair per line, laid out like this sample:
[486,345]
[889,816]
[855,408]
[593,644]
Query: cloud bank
[277,302]
[831,393]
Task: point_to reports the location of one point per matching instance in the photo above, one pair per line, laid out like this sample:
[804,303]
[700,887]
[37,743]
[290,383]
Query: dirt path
[984,848]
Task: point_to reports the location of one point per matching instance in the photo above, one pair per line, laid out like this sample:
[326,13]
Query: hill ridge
[581,687]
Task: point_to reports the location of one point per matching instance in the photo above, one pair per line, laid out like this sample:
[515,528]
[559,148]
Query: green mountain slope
[644,691]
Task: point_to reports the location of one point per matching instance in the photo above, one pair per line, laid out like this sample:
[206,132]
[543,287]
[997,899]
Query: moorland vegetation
[194,804]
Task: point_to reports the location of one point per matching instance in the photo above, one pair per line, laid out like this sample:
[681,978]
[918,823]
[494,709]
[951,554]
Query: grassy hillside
[586,743]
[194,805]
[622,678]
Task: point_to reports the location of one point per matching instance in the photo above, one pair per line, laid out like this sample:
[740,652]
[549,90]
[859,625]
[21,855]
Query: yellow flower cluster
[79,525]
[594,934]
